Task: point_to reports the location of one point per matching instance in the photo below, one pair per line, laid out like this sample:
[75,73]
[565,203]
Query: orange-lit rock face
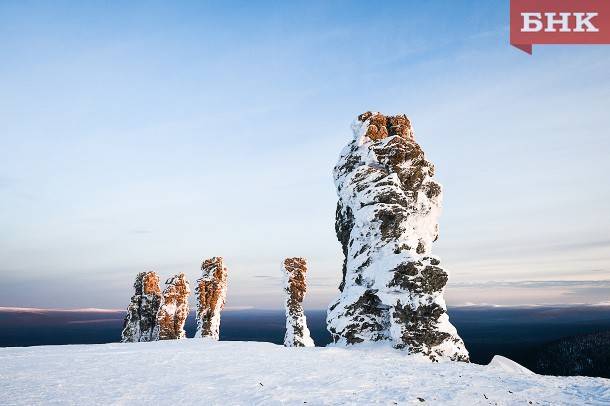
[295,270]
[141,319]
[381,126]
[295,286]
[211,292]
[150,284]
[174,309]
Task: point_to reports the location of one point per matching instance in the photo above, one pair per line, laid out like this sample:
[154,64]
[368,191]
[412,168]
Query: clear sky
[149,136]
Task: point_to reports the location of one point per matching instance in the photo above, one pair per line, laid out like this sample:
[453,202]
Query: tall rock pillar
[174,308]
[295,286]
[211,292]
[141,319]
[386,222]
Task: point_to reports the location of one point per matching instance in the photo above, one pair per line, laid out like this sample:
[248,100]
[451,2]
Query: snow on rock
[211,292]
[249,373]
[141,319]
[386,221]
[295,286]
[174,308]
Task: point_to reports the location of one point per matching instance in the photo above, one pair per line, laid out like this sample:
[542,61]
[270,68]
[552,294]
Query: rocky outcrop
[295,286]
[141,320]
[211,292]
[386,222]
[174,308]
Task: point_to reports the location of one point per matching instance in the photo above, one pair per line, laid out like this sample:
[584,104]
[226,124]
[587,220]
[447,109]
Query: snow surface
[504,364]
[195,371]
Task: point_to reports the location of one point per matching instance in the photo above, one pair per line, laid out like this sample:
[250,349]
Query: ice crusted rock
[295,286]
[141,319]
[174,308]
[211,292]
[386,222]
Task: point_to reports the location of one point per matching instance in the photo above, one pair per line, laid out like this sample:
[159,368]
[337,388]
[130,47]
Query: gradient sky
[148,136]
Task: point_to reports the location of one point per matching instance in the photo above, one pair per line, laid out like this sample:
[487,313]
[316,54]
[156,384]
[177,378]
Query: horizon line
[12,309]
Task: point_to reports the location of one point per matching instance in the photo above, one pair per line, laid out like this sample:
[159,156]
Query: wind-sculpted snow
[141,319]
[295,286]
[386,222]
[189,372]
[211,292]
[174,308]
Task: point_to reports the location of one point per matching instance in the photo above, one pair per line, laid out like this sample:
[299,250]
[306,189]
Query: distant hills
[587,355]
[554,340]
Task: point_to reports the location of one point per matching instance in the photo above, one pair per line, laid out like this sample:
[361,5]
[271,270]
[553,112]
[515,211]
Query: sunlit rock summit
[386,221]
[141,319]
[295,286]
[211,292]
[174,308]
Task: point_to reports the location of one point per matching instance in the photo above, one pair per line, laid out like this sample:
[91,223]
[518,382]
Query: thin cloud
[140,231]
[48,310]
[533,284]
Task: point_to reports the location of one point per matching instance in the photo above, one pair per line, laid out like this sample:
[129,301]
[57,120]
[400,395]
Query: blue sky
[148,136]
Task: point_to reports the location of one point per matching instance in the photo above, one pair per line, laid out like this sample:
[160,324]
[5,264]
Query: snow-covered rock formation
[174,308]
[295,286]
[386,221]
[141,318]
[211,292]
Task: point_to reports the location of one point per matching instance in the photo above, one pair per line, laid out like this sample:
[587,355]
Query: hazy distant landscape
[520,334]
